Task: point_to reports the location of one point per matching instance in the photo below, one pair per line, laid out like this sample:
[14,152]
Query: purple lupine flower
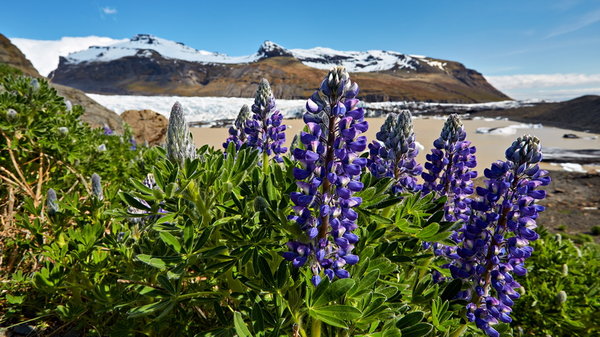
[449,172]
[107,130]
[264,130]
[496,238]
[393,154]
[133,143]
[328,177]
[237,135]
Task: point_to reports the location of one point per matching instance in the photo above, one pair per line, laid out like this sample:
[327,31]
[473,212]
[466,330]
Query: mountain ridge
[148,65]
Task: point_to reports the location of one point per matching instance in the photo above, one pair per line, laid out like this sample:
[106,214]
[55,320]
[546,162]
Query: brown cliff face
[95,114]
[290,79]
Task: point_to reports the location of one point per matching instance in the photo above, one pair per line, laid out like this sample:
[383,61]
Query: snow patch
[572,167]
[507,130]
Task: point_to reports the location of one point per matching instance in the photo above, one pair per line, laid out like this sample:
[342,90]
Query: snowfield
[211,109]
[197,109]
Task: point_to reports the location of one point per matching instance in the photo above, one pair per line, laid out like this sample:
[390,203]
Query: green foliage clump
[563,290]
[193,248]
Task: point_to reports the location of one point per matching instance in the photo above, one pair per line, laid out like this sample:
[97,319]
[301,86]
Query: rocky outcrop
[582,113]
[95,114]
[148,126]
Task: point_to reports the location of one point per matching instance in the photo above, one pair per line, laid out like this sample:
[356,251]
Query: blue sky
[553,42]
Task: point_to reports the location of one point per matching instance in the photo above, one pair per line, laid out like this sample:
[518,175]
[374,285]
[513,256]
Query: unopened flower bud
[561,297]
[12,113]
[180,145]
[102,148]
[525,149]
[565,269]
[63,130]
[52,202]
[97,187]
[69,105]
[264,101]
[35,84]
[452,129]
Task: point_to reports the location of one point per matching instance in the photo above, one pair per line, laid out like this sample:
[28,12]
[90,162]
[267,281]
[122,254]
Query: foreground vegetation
[183,241]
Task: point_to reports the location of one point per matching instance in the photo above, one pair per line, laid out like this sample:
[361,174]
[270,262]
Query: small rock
[570,136]
[24,330]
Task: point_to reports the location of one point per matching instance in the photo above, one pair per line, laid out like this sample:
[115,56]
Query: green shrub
[558,265]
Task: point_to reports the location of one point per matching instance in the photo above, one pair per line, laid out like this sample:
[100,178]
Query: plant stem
[265,163]
[315,329]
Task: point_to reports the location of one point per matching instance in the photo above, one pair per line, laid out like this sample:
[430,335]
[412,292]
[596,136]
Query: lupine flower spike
[449,173]
[180,144]
[264,130]
[393,153]
[496,239]
[52,202]
[329,176]
[97,187]
[237,135]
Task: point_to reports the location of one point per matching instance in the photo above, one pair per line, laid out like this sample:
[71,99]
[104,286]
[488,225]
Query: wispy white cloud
[44,54]
[109,10]
[547,86]
[583,21]
[543,80]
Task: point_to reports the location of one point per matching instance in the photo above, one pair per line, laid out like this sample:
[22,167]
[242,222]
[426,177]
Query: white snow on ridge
[321,58]
[354,61]
[143,42]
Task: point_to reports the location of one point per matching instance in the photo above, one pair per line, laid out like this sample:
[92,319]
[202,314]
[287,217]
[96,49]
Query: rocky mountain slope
[582,113]
[95,114]
[147,65]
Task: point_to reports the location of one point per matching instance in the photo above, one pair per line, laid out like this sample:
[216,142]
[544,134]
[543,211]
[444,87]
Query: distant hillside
[582,113]
[95,114]
[148,65]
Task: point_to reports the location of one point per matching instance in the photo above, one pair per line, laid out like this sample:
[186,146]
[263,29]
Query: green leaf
[421,329]
[170,240]
[147,309]
[132,201]
[335,291]
[335,315]
[410,319]
[393,332]
[428,231]
[156,262]
[240,326]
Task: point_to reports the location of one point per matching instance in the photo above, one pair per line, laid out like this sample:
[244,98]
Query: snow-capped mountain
[142,45]
[150,65]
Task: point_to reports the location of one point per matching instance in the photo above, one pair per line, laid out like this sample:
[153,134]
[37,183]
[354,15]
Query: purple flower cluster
[393,154]
[107,130]
[496,238]
[329,176]
[237,135]
[265,131]
[449,172]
